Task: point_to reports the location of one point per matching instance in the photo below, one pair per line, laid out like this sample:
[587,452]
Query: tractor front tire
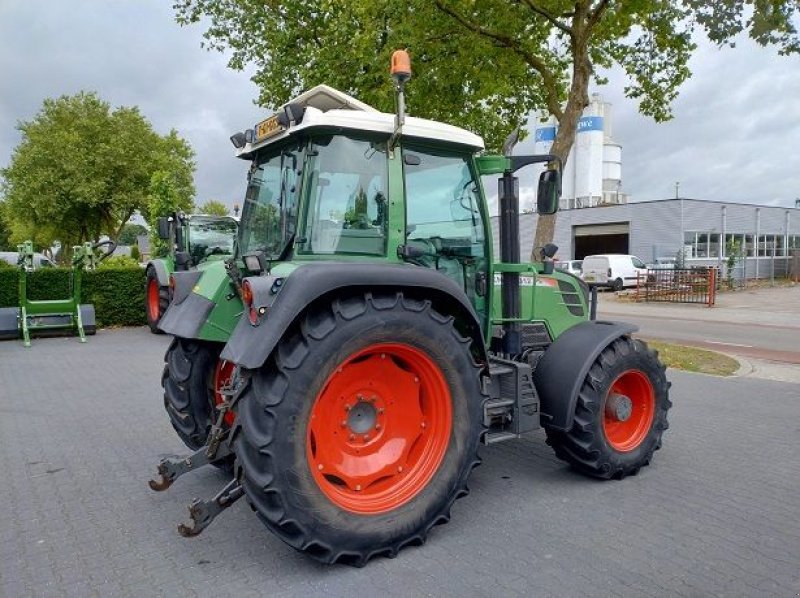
[361,429]
[620,415]
[193,375]
[156,299]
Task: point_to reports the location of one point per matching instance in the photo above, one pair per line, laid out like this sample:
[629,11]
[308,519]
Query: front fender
[560,373]
[280,301]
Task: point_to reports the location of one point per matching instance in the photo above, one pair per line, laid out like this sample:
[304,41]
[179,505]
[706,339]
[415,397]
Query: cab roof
[331,108]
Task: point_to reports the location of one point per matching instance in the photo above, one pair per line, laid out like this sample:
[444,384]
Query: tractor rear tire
[621,413]
[193,374]
[156,299]
[359,432]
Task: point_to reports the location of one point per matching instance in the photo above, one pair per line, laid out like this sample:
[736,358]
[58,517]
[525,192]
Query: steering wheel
[108,252]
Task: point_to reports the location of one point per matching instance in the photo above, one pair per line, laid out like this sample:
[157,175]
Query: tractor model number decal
[528,281]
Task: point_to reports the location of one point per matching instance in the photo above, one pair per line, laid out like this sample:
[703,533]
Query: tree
[82,170]
[483,65]
[213,208]
[5,230]
[130,232]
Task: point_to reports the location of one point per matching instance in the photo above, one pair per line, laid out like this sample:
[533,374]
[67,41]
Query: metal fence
[678,285]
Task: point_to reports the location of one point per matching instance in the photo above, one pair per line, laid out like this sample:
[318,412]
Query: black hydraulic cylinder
[508,193]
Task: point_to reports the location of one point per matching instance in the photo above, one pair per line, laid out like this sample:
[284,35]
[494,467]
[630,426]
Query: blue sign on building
[545,134]
[590,123]
[585,124]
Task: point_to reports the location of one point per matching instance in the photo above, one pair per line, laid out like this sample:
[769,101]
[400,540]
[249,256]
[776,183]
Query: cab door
[445,219]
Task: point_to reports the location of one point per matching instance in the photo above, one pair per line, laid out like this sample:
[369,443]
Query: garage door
[590,239]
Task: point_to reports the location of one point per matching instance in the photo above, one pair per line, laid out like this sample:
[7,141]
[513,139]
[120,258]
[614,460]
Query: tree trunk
[577,100]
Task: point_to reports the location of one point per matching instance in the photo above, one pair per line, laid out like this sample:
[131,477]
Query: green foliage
[733,251]
[118,261]
[213,208]
[4,265]
[130,232]
[116,293]
[135,254]
[81,170]
[5,230]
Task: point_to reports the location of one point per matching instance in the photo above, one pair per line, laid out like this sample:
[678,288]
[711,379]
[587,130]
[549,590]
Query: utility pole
[677,188]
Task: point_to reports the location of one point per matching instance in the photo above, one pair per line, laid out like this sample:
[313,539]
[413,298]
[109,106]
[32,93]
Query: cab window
[443,219]
[347,197]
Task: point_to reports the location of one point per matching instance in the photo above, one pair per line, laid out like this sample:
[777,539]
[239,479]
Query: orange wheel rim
[628,410]
[153,299]
[223,374]
[379,428]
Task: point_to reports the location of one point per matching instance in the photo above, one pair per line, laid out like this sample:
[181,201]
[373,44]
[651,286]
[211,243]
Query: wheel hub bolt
[423,424]
[400,469]
[619,407]
[358,488]
[319,466]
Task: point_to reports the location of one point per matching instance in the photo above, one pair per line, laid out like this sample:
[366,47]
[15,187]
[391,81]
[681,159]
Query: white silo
[589,154]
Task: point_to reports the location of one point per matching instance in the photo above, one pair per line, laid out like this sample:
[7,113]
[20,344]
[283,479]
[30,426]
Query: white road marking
[729,344]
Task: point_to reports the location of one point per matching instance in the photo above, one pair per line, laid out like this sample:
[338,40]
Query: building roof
[328,107]
[717,201]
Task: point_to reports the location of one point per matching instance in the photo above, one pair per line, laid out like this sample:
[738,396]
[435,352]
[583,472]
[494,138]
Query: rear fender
[560,373]
[278,302]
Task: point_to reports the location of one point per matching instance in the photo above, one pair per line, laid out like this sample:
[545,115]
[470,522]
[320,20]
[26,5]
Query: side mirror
[549,192]
[163,228]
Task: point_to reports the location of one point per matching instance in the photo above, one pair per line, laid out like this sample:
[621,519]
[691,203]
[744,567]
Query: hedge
[117,293]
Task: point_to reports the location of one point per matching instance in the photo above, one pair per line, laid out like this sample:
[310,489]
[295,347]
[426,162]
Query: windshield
[210,236]
[269,212]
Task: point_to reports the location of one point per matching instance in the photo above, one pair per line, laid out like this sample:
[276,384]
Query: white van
[616,269]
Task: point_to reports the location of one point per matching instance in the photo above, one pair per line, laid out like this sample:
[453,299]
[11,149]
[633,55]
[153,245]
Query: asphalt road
[763,324]
[82,428]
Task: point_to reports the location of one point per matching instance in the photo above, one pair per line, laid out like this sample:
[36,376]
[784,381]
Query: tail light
[247,299]
[171,286]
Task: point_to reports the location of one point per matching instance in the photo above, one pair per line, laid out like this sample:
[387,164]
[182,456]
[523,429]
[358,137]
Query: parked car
[617,270]
[571,266]
[39,260]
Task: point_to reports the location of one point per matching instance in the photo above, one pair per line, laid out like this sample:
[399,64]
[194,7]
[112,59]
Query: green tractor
[348,363]
[193,240]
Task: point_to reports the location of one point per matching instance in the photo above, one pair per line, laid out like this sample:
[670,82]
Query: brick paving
[82,428]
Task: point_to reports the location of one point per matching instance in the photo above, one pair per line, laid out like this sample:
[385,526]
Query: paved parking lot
[82,428]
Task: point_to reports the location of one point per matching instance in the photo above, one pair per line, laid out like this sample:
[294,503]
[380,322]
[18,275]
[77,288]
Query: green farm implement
[345,365]
[52,317]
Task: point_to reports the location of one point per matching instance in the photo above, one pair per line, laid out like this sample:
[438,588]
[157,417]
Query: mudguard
[188,311]
[560,373]
[161,271]
[279,301]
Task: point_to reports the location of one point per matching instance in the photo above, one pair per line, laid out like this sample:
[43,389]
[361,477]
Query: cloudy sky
[735,135]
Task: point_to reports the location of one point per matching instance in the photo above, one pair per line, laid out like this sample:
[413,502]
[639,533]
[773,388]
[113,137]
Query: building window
[794,242]
[748,245]
[713,245]
[780,249]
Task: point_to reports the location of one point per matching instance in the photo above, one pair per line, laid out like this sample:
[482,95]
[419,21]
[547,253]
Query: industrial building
[701,230]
